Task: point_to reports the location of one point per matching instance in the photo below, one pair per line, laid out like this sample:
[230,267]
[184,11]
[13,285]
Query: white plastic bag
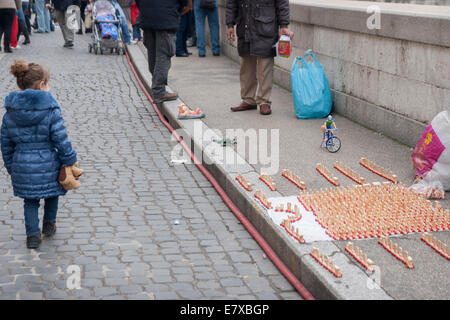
[431,158]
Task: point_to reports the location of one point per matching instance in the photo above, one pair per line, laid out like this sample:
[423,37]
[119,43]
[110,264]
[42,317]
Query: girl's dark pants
[31,208]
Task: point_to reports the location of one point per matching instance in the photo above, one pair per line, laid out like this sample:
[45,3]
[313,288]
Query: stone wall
[427,2]
[394,79]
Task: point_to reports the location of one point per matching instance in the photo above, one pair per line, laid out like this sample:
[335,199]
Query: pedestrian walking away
[159,19]
[61,16]
[34,146]
[258,28]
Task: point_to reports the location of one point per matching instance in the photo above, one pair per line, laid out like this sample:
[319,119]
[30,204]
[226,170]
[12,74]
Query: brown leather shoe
[167,97]
[264,109]
[244,106]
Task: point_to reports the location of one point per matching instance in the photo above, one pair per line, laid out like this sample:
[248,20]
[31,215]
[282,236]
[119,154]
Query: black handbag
[207,4]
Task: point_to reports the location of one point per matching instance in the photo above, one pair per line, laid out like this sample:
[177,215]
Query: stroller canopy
[103,7]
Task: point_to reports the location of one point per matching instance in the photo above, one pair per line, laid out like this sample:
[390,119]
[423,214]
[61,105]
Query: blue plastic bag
[310,89]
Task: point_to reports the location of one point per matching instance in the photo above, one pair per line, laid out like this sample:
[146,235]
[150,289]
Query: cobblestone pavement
[119,227]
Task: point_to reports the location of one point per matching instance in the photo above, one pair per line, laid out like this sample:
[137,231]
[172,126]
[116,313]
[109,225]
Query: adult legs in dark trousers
[182,35]
[83,5]
[68,34]
[22,28]
[27,12]
[192,36]
[160,49]
[6,22]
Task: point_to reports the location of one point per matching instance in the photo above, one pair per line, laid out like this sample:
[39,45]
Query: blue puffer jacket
[35,144]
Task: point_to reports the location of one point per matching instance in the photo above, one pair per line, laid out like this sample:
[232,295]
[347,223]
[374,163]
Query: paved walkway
[120,227]
[212,84]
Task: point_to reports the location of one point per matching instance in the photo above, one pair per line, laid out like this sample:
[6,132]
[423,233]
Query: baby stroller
[106,29]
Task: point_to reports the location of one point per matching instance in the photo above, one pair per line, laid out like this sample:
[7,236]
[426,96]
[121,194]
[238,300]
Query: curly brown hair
[29,75]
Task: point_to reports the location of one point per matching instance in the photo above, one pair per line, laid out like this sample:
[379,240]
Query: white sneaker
[15,48]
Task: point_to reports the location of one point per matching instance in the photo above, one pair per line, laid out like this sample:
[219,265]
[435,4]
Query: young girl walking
[34,145]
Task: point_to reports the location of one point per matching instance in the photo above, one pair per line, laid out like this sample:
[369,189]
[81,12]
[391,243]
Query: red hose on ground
[245,222]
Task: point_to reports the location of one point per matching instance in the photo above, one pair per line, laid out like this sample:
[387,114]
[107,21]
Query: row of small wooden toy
[437,245]
[367,263]
[292,231]
[379,170]
[269,181]
[397,252]
[263,199]
[350,173]
[326,262]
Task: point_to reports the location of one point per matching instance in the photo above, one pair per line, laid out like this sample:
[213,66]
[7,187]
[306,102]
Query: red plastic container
[284,46]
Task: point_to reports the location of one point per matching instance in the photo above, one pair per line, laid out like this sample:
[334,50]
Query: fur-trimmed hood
[30,106]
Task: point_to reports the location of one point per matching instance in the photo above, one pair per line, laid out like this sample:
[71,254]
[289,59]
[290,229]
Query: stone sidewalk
[212,84]
[138,228]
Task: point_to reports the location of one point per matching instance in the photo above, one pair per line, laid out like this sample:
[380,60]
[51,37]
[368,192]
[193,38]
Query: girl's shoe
[33,242]
[49,228]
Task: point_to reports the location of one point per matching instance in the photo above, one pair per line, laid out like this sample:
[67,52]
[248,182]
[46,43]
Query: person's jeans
[25,5]
[124,27]
[182,33]
[213,22]
[42,16]
[52,26]
[123,23]
[137,33]
[31,211]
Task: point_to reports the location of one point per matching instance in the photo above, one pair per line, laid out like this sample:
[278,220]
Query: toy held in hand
[185,113]
[68,177]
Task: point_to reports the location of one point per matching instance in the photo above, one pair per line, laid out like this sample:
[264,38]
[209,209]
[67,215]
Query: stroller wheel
[101,50]
[90,48]
[95,49]
[111,50]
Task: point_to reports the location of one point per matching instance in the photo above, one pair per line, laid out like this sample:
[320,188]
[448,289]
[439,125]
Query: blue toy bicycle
[331,142]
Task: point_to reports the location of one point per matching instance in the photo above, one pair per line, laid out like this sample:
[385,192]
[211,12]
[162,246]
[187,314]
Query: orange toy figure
[185,113]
